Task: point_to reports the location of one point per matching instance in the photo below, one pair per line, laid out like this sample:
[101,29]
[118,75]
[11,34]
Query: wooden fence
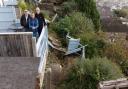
[22,44]
[19,44]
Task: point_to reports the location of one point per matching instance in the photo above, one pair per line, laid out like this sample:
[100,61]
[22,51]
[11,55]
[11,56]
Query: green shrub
[81,27]
[118,54]
[121,13]
[88,7]
[30,6]
[86,74]
[22,5]
[75,24]
[68,7]
[46,14]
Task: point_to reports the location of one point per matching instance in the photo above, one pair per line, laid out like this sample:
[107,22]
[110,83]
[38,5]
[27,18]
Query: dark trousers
[40,29]
[35,33]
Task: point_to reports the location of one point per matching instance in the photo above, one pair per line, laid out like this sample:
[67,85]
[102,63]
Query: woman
[33,24]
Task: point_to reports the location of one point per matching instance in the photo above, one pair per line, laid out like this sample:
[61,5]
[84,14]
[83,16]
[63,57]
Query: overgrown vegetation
[88,7]
[81,27]
[25,5]
[118,54]
[104,60]
[22,5]
[121,12]
[86,74]
[68,7]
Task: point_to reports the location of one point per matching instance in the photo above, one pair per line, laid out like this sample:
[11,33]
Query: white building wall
[8,18]
[10,2]
[1,4]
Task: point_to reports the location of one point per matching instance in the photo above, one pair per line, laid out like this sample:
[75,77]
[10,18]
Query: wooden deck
[18,72]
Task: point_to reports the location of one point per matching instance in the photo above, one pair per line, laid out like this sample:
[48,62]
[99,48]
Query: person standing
[33,24]
[24,21]
[41,20]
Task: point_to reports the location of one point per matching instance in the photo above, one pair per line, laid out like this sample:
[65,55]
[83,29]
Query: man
[33,25]
[41,20]
[24,21]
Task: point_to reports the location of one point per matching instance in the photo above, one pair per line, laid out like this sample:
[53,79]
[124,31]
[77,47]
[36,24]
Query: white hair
[37,8]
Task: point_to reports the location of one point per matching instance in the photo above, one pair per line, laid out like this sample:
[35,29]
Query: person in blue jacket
[33,25]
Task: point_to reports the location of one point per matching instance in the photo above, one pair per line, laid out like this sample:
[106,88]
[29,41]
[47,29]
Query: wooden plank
[114,84]
[18,72]
[16,33]
[34,46]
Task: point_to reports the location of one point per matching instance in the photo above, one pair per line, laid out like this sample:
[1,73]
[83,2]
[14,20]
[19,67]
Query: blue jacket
[33,23]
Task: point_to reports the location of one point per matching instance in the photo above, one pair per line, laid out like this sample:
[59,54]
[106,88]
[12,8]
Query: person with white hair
[41,20]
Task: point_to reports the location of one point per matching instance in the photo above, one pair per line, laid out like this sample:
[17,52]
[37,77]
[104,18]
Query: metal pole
[83,52]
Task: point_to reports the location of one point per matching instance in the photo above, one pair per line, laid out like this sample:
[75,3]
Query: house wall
[8,15]
[10,2]
[1,4]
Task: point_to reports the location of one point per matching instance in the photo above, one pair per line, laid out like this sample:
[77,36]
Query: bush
[46,14]
[68,7]
[86,74]
[25,5]
[22,5]
[118,54]
[75,24]
[88,7]
[81,27]
[121,13]
[30,6]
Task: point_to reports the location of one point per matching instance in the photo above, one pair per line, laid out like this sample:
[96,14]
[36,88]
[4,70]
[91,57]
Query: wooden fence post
[37,82]
[48,79]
